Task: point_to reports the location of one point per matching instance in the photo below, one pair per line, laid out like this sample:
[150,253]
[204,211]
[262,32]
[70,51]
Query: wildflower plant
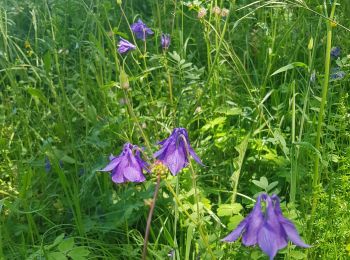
[125,46]
[165,41]
[270,229]
[175,151]
[128,166]
[141,30]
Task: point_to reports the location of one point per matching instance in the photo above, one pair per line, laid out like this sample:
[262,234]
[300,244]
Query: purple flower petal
[236,233]
[175,160]
[288,227]
[125,46]
[117,177]
[195,156]
[141,30]
[266,241]
[292,233]
[255,221]
[132,174]
[165,41]
[173,152]
[113,164]
[127,166]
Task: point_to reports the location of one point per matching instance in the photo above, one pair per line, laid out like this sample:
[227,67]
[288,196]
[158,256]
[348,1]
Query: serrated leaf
[229,209]
[214,122]
[175,56]
[66,244]
[79,253]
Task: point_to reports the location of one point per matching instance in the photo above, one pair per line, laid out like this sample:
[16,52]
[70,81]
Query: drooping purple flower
[127,166]
[269,229]
[125,46]
[141,30]
[337,75]
[47,164]
[165,41]
[335,52]
[176,150]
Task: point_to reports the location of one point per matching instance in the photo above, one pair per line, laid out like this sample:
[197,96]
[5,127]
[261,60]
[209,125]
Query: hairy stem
[149,219]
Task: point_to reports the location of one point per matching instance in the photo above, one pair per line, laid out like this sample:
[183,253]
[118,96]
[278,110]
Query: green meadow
[261,87]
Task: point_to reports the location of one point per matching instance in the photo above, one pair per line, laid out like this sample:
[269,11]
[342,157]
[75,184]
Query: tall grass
[241,84]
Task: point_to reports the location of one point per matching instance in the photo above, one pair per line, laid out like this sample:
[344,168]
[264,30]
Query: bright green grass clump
[259,85]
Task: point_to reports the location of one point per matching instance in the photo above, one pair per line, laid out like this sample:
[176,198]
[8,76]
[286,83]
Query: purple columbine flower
[141,30]
[125,46]
[127,166]
[335,52]
[175,151]
[337,75]
[165,41]
[269,229]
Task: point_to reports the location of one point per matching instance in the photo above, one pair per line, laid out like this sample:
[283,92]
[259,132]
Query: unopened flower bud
[124,80]
[224,12]
[216,10]
[311,44]
[202,12]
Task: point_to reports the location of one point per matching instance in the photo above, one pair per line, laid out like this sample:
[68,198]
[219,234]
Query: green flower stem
[194,184]
[134,117]
[170,85]
[201,232]
[293,170]
[317,174]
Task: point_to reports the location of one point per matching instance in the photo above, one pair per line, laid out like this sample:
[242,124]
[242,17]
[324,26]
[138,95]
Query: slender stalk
[317,174]
[149,219]
[134,117]
[194,184]
[170,85]
[293,172]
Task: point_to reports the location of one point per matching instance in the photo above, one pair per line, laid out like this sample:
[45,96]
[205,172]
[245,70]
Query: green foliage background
[242,87]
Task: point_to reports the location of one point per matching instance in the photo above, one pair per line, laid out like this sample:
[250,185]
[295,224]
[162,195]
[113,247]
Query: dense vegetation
[261,88]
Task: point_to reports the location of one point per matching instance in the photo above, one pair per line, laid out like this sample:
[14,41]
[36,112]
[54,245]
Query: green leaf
[234,221]
[78,253]
[47,61]
[229,209]
[38,95]
[189,238]
[213,123]
[55,242]
[56,256]
[263,183]
[297,255]
[229,111]
[175,56]
[290,66]
[271,186]
[66,244]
